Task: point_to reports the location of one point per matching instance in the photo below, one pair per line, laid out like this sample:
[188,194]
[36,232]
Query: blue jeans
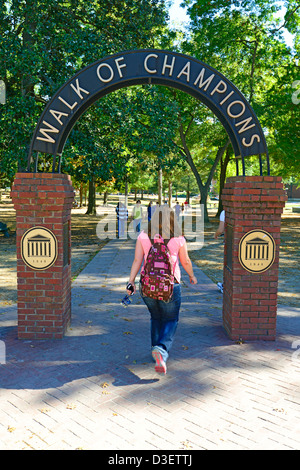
[164,320]
[137,225]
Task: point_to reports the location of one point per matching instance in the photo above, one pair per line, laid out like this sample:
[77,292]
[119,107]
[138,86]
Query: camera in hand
[126,300]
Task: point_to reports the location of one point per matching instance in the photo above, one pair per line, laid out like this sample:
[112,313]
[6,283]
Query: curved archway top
[144,67]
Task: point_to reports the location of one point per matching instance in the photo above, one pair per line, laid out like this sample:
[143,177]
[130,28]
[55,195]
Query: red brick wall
[250,299]
[44,297]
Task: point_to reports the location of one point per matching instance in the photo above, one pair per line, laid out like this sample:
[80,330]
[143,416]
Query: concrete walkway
[97,388]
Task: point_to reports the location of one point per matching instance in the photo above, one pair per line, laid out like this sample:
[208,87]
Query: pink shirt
[174,246]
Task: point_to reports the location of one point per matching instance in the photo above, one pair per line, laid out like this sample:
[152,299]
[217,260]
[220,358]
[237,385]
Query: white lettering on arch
[234,116]
[203,82]
[253,137]
[226,98]
[217,88]
[110,77]
[146,67]
[245,124]
[70,106]
[168,66]
[78,89]
[58,115]
[47,137]
[120,66]
[186,70]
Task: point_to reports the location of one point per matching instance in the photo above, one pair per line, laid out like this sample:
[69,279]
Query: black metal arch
[144,67]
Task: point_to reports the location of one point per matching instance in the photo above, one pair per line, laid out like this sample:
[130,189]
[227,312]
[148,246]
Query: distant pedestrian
[137,215]
[177,209]
[221,226]
[150,210]
[122,216]
[164,314]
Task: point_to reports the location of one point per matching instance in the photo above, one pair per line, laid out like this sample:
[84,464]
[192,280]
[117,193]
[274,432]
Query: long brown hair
[164,222]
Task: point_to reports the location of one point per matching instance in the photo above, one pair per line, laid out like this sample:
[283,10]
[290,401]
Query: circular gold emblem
[39,248]
[257,251]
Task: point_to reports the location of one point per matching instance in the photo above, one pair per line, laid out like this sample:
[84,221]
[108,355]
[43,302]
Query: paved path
[97,388]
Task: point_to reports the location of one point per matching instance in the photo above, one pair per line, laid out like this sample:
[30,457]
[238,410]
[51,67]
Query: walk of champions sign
[145,67]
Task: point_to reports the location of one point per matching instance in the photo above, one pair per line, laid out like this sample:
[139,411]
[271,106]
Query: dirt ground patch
[85,244]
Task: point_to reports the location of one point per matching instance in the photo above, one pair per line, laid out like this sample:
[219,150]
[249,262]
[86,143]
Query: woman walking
[164,314]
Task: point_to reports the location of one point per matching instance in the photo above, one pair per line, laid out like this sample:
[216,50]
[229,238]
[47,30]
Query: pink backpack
[157,276]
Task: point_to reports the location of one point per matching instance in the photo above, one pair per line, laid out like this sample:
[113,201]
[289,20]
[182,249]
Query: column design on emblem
[257,249]
[39,246]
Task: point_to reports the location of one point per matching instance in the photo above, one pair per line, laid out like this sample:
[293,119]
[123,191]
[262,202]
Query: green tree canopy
[44,42]
[245,41]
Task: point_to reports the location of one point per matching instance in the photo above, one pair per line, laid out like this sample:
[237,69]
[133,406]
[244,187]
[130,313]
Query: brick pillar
[43,201]
[252,204]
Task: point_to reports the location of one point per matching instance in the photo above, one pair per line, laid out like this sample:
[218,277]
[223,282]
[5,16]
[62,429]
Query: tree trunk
[105,197]
[28,43]
[188,191]
[126,193]
[159,186]
[223,163]
[203,188]
[91,210]
[203,201]
[170,194]
[185,152]
[80,194]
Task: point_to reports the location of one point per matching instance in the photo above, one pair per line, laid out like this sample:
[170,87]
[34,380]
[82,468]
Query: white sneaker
[160,365]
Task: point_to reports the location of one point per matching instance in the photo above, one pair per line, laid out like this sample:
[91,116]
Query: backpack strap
[158,238]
